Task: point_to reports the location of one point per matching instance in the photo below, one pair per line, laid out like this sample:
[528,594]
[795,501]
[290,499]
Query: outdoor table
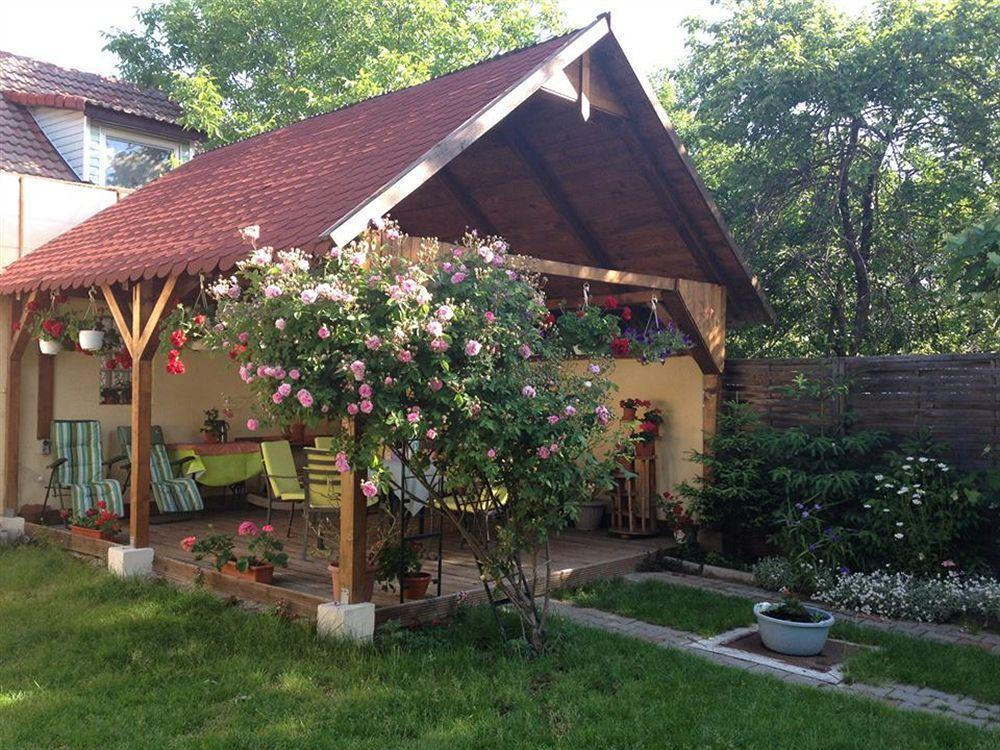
[219,464]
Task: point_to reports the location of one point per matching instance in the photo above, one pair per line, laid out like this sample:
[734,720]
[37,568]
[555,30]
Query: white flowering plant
[445,358]
[919,513]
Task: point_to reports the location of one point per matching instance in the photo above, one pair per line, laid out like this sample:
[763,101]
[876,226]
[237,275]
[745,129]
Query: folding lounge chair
[173,491]
[79,467]
[282,479]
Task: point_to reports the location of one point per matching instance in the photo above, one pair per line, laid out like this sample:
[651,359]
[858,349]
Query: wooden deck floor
[572,553]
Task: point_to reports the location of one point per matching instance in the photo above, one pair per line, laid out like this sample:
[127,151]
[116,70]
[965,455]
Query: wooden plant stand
[633,512]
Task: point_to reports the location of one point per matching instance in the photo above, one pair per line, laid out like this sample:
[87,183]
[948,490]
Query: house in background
[72,144]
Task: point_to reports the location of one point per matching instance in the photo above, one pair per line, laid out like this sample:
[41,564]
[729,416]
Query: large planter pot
[415,586]
[793,638]
[91,340]
[50,348]
[257,573]
[92,533]
[369,587]
[591,515]
[644,449]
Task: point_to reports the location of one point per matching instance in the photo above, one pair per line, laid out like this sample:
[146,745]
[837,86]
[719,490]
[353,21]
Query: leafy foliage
[241,67]
[841,149]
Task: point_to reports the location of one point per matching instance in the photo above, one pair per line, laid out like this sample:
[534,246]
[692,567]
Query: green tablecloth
[220,470]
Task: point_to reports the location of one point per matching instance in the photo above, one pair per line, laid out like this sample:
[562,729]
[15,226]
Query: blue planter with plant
[793,628]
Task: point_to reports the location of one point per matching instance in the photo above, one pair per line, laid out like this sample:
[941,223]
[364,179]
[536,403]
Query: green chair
[321,480]
[173,491]
[284,485]
[79,467]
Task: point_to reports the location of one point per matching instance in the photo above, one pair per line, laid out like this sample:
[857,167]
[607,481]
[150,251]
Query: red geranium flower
[627,314]
[199,319]
[620,346]
[178,338]
[610,302]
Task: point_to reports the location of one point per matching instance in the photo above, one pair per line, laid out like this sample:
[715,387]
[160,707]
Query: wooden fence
[955,396]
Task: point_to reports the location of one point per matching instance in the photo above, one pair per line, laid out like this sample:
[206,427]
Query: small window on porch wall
[116,379]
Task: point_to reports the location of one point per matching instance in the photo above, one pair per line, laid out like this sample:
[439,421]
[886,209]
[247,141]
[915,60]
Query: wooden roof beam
[554,193]
[470,208]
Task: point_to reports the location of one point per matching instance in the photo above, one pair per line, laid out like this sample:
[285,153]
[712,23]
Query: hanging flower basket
[91,340]
[49,347]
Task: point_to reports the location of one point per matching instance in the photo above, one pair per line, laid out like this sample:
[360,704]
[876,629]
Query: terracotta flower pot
[628,414]
[415,586]
[369,588]
[210,437]
[257,573]
[626,464]
[107,536]
[644,449]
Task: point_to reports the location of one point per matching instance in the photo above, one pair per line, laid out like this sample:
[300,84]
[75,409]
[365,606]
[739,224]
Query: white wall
[67,129]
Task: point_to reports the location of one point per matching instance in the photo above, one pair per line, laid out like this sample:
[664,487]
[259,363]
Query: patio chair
[173,491]
[282,479]
[79,467]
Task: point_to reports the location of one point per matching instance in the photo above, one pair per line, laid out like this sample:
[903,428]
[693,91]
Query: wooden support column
[17,343]
[353,532]
[46,396]
[139,327]
[712,384]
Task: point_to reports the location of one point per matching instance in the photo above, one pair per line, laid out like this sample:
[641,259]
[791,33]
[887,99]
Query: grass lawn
[963,670]
[673,605]
[90,662]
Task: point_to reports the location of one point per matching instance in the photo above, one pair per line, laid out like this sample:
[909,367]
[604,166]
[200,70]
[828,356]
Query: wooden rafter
[554,194]
[460,193]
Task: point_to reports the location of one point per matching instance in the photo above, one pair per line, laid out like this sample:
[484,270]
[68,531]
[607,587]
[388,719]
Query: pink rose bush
[466,367]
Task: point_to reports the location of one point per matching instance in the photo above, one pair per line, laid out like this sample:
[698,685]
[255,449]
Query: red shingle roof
[25,75]
[25,149]
[295,182]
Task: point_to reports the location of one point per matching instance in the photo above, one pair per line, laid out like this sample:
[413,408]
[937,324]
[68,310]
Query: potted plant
[591,515]
[651,421]
[645,440]
[213,428]
[630,406]
[94,523]
[264,551]
[89,327]
[586,330]
[329,546]
[51,331]
[402,562]
[793,628]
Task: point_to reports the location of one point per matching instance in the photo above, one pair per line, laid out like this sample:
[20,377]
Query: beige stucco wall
[675,387]
[178,403]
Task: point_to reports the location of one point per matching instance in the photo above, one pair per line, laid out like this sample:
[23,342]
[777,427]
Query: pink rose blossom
[434,328]
[458,278]
[554,448]
[252,424]
[294,374]
[305,398]
[432,434]
[277,398]
[340,461]
[524,350]
[528,391]
[388,381]
[439,345]
[413,416]
[369,489]
[435,384]
[491,453]
[569,411]
[543,452]
[271,291]
[365,390]
[352,409]
[445,313]
[247,528]
[373,342]
[280,324]
[285,390]
[358,368]
[309,296]
[553,419]
[472,348]
[490,316]
[367,406]
[323,332]
[405,356]
[603,414]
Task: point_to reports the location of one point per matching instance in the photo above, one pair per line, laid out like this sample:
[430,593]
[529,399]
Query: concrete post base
[353,622]
[13,527]
[129,562]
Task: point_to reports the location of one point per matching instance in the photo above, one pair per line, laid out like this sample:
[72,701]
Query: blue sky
[68,32]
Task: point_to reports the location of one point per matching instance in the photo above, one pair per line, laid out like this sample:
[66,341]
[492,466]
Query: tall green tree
[842,149]
[240,67]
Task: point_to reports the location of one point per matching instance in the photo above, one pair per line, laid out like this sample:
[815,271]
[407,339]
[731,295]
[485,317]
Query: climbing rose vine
[449,358]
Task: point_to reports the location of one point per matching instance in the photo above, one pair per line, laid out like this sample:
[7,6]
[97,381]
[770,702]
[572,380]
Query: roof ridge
[384,94]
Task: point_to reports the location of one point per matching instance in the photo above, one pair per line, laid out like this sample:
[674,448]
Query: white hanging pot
[91,340]
[49,347]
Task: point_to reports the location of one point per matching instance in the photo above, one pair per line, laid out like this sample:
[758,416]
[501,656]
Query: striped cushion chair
[172,493]
[79,467]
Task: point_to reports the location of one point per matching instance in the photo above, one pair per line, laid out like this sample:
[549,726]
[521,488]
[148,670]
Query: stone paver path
[905,697]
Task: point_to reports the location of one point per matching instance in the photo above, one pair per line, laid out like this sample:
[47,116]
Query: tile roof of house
[25,82]
[34,77]
[294,182]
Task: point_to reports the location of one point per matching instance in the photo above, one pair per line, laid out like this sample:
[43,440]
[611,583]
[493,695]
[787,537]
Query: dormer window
[130,160]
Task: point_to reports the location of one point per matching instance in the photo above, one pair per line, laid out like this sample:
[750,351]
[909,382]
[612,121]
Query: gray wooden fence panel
[955,396]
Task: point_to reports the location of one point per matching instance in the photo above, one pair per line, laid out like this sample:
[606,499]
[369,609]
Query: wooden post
[139,333]
[46,396]
[16,344]
[353,531]
[712,384]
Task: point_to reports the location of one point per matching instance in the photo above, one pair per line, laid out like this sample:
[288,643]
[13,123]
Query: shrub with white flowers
[908,597]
